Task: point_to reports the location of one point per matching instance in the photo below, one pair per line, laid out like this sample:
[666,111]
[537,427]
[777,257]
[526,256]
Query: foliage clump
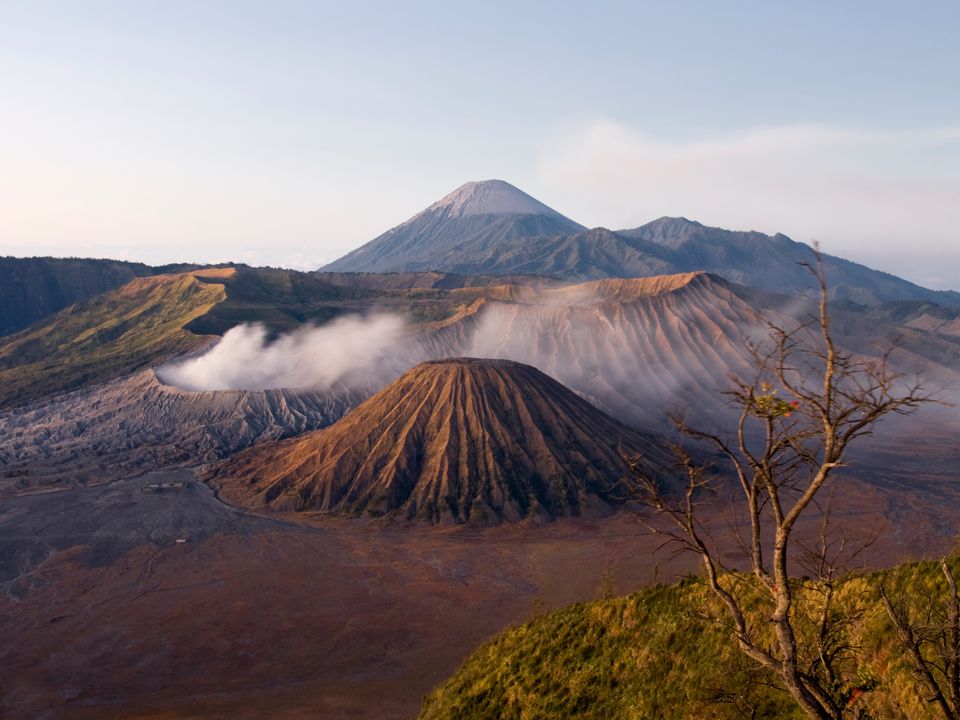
[665,653]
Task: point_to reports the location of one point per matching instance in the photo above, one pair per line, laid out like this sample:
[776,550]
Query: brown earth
[451,441]
[103,614]
[260,617]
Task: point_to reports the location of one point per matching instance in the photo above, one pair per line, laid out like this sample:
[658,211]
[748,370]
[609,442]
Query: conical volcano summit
[451,441]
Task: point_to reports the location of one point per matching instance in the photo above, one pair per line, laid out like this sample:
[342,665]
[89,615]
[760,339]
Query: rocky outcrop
[125,427]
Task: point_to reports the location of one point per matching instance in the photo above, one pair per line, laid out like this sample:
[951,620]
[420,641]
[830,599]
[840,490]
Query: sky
[288,133]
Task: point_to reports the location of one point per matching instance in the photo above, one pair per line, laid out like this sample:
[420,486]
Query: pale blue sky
[291,132]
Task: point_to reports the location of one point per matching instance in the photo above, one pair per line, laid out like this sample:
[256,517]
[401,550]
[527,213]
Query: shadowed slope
[152,319]
[121,428]
[773,262]
[675,245]
[33,288]
[492,228]
[451,441]
[107,336]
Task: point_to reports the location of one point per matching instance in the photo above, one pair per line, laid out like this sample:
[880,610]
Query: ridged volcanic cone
[450,441]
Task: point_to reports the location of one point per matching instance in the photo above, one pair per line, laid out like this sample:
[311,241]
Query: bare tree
[930,633]
[805,404]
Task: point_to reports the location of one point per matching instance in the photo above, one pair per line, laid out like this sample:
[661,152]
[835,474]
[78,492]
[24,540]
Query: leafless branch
[783,454]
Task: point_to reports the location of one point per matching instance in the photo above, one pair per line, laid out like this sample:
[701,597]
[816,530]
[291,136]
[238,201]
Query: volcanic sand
[106,615]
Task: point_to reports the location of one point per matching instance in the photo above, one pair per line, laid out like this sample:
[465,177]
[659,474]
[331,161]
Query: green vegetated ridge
[106,336]
[152,319]
[285,300]
[668,653]
[282,300]
[34,288]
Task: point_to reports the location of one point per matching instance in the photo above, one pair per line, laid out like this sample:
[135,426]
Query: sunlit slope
[34,288]
[666,654]
[636,348]
[451,441]
[109,335]
[154,318]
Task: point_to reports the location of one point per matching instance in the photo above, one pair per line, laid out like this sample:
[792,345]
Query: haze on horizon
[292,133]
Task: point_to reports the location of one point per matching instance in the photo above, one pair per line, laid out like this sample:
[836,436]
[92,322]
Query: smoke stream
[313,357]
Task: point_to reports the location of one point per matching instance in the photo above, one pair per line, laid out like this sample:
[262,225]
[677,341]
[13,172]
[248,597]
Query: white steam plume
[309,357]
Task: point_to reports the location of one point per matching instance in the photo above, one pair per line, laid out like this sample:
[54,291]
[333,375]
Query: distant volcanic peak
[674,222]
[493,197]
[667,225]
[451,441]
[670,231]
[469,223]
[675,232]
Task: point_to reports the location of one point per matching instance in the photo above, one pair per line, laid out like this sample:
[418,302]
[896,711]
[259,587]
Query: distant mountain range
[482,234]
[493,228]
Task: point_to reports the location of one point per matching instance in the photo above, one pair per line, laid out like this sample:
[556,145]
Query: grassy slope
[109,335]
[284,300]
[280,299]
[35,288]
[662,653]
[153,318]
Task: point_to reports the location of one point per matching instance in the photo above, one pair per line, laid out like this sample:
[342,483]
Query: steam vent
[451,441]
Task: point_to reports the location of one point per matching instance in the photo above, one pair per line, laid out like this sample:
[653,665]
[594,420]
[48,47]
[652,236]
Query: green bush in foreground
[667,652]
